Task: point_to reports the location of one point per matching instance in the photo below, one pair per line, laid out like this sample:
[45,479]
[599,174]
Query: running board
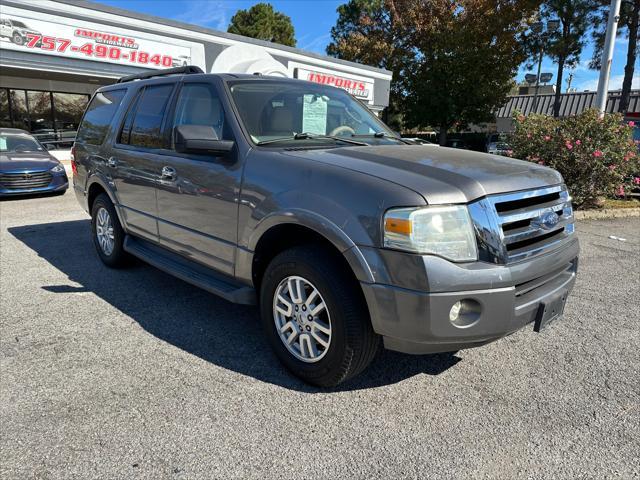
[190,272]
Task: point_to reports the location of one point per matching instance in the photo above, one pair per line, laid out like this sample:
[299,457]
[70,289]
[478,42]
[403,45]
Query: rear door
[137,158]
[198,204]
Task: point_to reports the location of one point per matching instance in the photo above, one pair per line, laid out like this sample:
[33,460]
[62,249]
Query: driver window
[199,104]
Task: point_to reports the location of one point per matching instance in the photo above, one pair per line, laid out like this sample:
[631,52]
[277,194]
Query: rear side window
[97,118]
[146,128]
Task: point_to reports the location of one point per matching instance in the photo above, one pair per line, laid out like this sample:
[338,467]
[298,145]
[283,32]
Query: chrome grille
[25,180]
[515,226]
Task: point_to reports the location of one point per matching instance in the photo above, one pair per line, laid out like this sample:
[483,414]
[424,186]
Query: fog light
[455,311]
[465,313]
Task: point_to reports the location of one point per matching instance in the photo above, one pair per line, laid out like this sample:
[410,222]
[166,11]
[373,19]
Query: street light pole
[607,55]
[535,95]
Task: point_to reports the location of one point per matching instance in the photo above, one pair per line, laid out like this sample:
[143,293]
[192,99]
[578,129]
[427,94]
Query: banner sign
[89,41]
[359,87]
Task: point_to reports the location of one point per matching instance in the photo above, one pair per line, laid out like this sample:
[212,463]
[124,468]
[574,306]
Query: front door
[198,199]
[136,161]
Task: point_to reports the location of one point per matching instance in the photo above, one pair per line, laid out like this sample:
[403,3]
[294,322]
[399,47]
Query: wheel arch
[95,186]
[279,232]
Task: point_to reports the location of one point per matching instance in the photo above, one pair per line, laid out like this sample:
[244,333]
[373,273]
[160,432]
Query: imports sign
[90,42]
[359,87]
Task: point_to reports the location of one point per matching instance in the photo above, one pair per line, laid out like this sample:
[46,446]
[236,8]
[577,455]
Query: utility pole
[569,82]
[535,95]
[607,56]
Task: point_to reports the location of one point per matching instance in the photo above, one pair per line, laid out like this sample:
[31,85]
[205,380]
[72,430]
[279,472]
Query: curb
[607,213]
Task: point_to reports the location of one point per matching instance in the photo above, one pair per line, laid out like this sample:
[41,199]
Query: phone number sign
[89,43]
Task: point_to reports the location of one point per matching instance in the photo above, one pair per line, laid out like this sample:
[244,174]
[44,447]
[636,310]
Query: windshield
[273,110]
[19,143]
[18,24]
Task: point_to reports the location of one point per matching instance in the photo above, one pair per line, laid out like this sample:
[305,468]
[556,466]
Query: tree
[263,22]
[565,44]
[629,19]
[366,32]
[453,60]
[468,52]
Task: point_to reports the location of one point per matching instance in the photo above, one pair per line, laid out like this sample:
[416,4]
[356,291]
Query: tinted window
[68,109]
[199,104]
[125,133]
[19,109]
[5,119]
[40,115]
[97,119]
[146,130]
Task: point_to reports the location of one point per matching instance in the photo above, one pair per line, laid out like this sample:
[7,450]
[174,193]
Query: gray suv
[295,197]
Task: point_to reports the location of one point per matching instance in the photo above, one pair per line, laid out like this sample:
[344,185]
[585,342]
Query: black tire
[17,39]
[353,342]
[117,258]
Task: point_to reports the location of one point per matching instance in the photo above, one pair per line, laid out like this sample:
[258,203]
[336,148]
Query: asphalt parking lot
[134,374]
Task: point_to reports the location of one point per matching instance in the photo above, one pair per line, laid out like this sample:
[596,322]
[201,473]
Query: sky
[313,19]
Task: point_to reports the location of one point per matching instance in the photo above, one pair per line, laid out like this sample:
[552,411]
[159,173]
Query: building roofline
[209,31]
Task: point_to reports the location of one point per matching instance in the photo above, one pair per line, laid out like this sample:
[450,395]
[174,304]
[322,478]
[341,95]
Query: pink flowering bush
[596,156]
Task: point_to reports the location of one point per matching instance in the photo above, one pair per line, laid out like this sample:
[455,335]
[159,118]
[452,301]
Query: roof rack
[186,70]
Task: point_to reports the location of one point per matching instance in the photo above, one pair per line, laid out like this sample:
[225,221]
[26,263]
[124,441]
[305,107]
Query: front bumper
[59,183]
[416,320]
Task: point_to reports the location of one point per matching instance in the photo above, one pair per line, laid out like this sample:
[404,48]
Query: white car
[15,30]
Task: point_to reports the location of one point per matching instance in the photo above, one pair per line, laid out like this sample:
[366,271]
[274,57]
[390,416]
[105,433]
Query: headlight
[445,231]
[58,168]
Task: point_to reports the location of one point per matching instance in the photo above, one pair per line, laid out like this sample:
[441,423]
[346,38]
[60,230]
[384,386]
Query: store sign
[88,41]
[358,87]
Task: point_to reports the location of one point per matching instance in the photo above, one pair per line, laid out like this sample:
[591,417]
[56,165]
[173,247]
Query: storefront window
[40,115]
[5,118]
[68,109]
[19,112]
[52,117]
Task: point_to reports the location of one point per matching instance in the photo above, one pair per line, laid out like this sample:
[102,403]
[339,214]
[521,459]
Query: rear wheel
[315,317]
[108,235]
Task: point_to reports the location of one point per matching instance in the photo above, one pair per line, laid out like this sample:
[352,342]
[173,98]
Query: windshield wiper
[381,135]
[311,136]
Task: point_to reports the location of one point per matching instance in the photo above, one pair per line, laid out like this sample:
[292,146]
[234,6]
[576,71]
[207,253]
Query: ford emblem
[547,220]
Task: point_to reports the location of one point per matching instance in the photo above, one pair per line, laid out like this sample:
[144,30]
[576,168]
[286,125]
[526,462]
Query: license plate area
[549,311]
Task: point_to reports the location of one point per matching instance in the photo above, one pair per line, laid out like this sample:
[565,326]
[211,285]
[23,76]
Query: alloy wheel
[104,231]
[302,319]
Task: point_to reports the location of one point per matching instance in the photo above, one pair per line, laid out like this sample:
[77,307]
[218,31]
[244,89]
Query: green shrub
[596,156]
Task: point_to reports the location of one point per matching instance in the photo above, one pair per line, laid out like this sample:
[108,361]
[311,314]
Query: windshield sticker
[3,143]
[314,114]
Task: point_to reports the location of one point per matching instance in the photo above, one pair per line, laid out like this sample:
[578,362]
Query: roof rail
[186,70]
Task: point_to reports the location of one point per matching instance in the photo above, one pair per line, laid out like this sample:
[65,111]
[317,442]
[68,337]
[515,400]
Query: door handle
[168,173]
[112,162]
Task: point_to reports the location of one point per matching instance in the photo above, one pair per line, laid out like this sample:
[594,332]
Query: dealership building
[55,54]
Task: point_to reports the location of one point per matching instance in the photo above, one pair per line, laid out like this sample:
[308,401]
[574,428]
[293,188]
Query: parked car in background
[296,197]
[26,167]
[418,141]
[457,143]
[501,148]
[494,140]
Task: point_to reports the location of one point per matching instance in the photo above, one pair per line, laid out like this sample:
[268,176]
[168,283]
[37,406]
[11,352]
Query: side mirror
[200,139]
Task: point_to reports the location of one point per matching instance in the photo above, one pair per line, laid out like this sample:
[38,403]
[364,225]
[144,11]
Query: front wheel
[17,39]
[315,316]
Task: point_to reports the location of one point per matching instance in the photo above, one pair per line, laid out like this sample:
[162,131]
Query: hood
[26,161]
[441,175]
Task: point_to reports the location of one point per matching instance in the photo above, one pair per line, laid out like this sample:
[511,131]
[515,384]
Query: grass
[631,203]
